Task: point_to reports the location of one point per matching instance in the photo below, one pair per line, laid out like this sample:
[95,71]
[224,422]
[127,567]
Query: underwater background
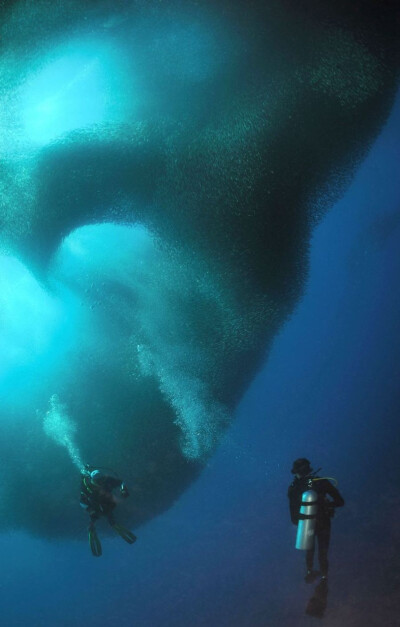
[139,332]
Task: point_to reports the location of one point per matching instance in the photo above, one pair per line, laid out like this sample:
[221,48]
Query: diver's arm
[84,496]
[84,501]
[113,482]
[337,499]
[124,490]
[293,506]
[88,499]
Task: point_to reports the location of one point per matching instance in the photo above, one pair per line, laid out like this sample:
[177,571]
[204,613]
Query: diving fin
[94,542]
[127,535]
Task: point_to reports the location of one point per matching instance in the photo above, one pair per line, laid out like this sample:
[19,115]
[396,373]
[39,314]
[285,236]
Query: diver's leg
[323,546]
[311,574]
[310,558]
[108,511]
[94,542]
[111,519]
[125,534]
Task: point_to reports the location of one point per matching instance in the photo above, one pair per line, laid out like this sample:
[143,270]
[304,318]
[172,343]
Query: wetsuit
[98,499]
[325,511]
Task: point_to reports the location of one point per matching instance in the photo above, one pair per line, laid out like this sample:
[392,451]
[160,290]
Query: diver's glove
[124,491]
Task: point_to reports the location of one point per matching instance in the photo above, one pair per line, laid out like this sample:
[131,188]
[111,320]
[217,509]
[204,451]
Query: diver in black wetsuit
[97,497]
[305,480]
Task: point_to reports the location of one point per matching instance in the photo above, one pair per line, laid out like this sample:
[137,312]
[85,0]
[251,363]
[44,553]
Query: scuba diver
[306,479]
[97,497]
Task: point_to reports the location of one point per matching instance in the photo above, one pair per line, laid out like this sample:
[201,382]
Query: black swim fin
[127,535]
[318,602]
[94,542]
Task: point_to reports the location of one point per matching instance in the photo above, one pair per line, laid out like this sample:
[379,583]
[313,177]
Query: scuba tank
[306,526]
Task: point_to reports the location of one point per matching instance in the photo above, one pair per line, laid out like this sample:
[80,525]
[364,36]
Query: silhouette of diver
[305,479]
[97,486]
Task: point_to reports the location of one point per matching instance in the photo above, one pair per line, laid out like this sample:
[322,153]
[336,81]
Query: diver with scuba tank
[98,499]
[312,502]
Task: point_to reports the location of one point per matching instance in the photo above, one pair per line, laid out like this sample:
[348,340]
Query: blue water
[223,554]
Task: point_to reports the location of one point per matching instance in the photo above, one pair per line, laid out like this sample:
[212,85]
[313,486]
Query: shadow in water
[316,606]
